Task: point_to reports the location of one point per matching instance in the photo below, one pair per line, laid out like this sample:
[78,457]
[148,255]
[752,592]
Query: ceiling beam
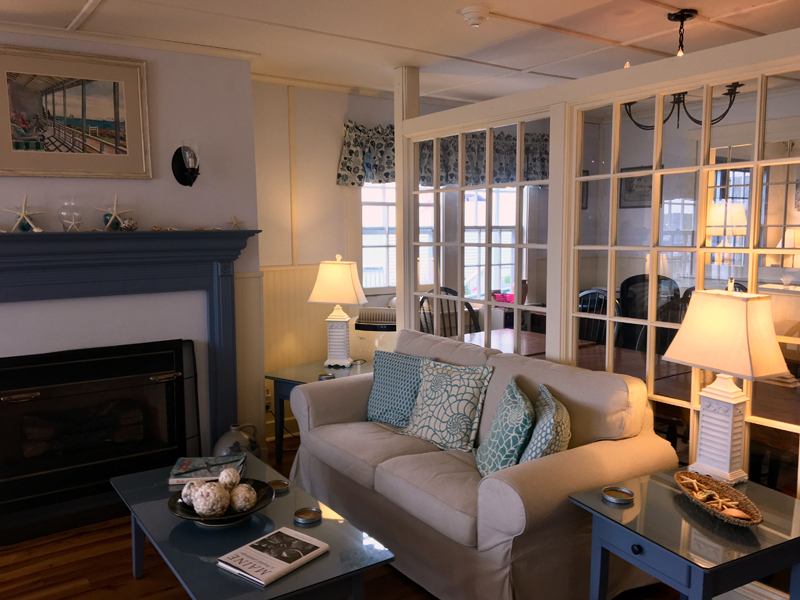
[83,14]
[577,34]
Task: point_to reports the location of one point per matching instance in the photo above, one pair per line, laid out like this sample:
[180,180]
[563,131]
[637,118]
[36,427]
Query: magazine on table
[204,468]
[272,556]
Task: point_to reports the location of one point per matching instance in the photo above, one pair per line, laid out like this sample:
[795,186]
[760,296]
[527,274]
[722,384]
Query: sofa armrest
[341,400]
[534,496]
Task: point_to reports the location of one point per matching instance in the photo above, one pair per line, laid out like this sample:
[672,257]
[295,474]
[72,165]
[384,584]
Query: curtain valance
[368,157]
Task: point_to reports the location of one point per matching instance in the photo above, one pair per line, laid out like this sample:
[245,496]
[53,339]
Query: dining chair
[448,315]
[633,304]
[595,302]
[737,287]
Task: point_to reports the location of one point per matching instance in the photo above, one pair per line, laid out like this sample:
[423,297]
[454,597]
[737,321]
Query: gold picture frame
[73,115]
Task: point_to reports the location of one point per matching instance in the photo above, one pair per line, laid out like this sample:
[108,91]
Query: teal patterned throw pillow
[449,405]
[509,433]
[551,433]
[395,386]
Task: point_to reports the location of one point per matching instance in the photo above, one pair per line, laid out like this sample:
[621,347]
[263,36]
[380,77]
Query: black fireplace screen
[70,421]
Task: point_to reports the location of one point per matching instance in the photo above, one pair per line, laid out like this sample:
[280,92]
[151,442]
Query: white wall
[189,96]
[204,98]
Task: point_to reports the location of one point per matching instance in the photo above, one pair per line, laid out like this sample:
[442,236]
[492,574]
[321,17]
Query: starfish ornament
[234,222]
[115,214]
[73,224]
[24,215]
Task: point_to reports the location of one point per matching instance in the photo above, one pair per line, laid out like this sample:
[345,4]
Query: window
[378,255]
[637,228]
[480,236]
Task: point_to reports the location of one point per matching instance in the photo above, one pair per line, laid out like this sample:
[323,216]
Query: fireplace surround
[48,266]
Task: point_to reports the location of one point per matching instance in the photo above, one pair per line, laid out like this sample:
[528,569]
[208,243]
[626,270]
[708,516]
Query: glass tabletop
[191,550]
[308,372]
[665,516]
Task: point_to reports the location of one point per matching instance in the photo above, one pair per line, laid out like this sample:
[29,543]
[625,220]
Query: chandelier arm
[731,98]
[671,110]
[691,118]
[627,106]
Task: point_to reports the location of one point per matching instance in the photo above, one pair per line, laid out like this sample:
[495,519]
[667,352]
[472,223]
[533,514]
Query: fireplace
[69,421]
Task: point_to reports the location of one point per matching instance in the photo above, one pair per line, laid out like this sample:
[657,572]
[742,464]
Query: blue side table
[289,378]
[700,556]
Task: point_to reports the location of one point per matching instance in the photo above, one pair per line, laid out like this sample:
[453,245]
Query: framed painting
[636,192]
[73,115]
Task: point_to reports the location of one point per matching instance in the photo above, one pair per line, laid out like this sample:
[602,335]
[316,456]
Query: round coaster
[306,516]
[617,495]
[281,486]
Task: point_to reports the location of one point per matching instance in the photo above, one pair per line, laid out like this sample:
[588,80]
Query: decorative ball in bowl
[216,506]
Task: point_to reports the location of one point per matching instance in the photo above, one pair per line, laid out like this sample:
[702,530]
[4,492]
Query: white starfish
[24,215]
[234,222]
[115,214]
[73,224]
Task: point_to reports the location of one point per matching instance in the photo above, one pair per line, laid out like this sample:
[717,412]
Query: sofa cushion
[449,404]
[511,430]
[551,433]
[395,388]
[601,406]
[414,343]
[439,488]
[355,449]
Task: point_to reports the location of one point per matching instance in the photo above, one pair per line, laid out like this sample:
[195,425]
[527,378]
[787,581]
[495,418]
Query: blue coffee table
[191,551]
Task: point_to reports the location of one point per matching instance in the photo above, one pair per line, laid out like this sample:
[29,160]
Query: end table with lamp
[290,377]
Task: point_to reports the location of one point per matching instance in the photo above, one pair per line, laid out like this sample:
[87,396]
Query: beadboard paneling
[294,330]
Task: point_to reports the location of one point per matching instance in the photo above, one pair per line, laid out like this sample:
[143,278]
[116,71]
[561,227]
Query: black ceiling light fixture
[683,15]
[679,100]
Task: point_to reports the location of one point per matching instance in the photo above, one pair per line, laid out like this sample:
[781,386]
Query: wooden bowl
[725,491]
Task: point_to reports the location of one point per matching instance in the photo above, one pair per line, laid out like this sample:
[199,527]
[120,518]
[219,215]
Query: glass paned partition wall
[480,236]
[686,190]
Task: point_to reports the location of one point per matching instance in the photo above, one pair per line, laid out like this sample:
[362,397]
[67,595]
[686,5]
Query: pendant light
[683,15]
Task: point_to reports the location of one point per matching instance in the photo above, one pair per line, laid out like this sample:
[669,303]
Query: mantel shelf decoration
[113,216]
[24,222]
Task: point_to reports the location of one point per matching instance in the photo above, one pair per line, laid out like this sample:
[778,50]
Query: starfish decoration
[73,224]
[24,215]
[234,222]
[115,214]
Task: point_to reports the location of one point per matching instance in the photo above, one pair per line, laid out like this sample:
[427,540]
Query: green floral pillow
[551,433]
[510,432]
[449,405]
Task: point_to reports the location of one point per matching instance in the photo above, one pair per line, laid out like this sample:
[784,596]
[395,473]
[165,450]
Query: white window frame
[355,247]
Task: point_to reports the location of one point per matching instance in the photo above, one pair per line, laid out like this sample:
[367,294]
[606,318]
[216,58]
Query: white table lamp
[337,283]
[731,334]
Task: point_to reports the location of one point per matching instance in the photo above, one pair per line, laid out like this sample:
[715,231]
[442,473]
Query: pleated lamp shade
[337,283]
[730,333]
[726,218]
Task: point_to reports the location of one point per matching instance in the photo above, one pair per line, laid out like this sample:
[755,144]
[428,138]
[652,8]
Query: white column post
[406,106]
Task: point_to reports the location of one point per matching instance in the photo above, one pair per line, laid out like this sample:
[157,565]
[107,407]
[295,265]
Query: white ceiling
[525,44]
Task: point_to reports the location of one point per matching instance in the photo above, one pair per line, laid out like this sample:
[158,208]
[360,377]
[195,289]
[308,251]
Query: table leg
[137,544]
[598,581]
[279,400]
[357,589]
[794,586]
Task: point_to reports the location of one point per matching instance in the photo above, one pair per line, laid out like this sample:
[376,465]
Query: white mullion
[612,234]
[437,183]
[461,229]
[519,237]
[487,336]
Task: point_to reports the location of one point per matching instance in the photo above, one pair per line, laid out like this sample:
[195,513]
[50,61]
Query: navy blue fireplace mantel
[48,266]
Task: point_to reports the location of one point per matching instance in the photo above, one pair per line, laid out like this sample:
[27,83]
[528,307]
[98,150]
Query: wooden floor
[94,563]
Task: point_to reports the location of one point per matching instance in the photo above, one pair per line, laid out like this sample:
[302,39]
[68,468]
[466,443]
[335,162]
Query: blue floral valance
[536,163]
[368,157]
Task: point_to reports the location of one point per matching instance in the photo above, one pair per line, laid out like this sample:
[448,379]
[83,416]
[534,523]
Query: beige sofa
[511,535]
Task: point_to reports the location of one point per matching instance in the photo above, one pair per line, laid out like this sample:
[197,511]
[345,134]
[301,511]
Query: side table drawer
[644,553]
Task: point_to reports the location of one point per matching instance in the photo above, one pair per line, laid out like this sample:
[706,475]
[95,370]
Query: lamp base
[338,339]
[720,441]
